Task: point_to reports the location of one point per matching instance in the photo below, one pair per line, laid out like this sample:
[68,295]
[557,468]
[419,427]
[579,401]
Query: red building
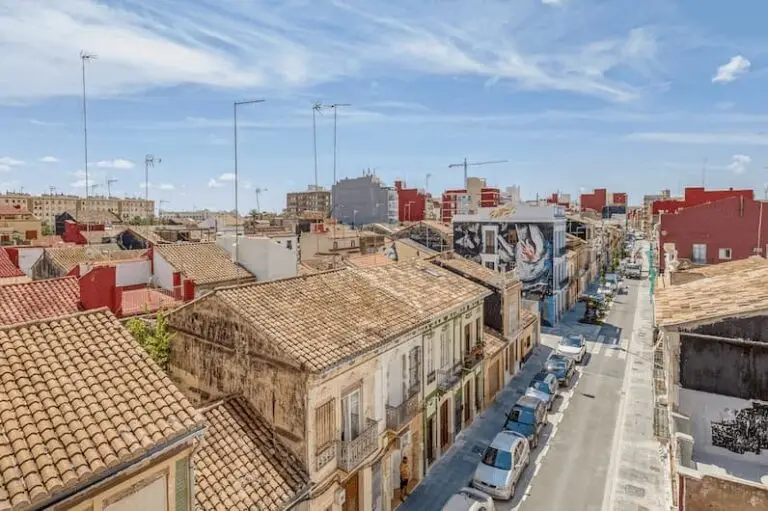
[489,197]
[600,198]
[559,199]
[411,203]
[457,201]
[718,231]
[694,196]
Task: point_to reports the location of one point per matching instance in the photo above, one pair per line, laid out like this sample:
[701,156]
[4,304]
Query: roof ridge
[283,279]
[14,326]
[40,281]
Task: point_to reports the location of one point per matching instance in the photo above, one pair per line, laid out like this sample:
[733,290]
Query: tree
[253,214]
[155,339]
[46,229]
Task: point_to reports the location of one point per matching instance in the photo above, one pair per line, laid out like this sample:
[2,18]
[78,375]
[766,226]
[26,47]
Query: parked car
[633,271]
[574,346]
[469,499]
[543,388]
[562,367]
[502,464]
[527,418]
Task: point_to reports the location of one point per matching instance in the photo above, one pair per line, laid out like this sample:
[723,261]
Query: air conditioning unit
[341,497]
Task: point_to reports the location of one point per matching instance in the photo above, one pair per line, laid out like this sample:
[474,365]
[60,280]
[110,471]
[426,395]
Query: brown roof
[471,269]
[494,341]
[7,268]
[573,242]
[239,466]
[70,256]
[715,270]
[725,295]
[95,217]
[527,317]
[204,263]
[439,226]
[38,299]
[367,260]
[323,319]
[79,397]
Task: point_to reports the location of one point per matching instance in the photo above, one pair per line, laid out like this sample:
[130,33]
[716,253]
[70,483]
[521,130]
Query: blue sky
[631,95]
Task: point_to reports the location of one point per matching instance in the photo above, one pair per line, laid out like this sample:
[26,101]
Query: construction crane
[258,193]
[109,186]
[466,164]
[93,187]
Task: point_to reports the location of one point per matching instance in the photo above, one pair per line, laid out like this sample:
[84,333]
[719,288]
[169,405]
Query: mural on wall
[745,431]
[527,247]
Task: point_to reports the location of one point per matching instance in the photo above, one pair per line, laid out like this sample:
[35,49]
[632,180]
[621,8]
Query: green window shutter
[182,485]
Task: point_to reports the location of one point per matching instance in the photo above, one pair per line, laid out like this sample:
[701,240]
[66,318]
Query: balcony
[326,455]
[447,378]
[473,357]
[354,452]
[399,416]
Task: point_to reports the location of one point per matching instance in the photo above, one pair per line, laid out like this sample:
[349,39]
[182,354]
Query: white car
[502,465]
[573,346]
[469,499]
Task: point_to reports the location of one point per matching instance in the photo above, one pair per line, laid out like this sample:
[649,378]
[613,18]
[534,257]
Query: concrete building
[710,387]
[361,200]
[314,198]
[510,195]
[412,203]
[47,206]
[530,239]
[463,201]
[266,257]
[346,401]
[17,225]
[601,198]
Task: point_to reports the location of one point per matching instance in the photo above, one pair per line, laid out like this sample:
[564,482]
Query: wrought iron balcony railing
[354,452]
[447,378]
[474,356]
[326,455]
[400,415]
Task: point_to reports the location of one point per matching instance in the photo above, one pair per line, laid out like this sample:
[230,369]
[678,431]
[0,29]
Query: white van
[469,499]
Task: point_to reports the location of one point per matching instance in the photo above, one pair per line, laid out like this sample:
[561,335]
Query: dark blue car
[527,418]
[562,367]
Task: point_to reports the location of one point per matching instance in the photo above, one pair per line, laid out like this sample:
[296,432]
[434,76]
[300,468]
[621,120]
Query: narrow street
[586,459]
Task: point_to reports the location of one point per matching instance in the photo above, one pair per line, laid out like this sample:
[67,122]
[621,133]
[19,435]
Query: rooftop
[67,257]
[239,466]
[472,270]
[527,317]
[734,293]
[7,268]
[79,397]
[368,260]
[13,209]
[423,249]
[715,270]
[494,341]
[204,263]
[347,312]
[38,299]
[146,300]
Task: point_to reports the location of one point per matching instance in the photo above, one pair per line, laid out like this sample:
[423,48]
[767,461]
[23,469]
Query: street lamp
[235,104]
[86,57]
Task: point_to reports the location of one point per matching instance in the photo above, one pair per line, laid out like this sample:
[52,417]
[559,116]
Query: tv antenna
[258,193]
[109,186]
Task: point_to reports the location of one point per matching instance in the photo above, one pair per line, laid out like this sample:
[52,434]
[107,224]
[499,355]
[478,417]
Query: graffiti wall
[525,246]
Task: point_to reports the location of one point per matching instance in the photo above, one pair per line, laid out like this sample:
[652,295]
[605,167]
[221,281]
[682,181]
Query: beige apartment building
[313,199]
[47,206]
[18,225]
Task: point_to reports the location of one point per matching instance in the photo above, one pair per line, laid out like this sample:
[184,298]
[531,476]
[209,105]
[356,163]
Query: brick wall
[714,494]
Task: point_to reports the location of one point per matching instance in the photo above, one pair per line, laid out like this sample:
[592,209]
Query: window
[350,415]
[725,253]
[289,245]
[490,265]
[352,244]
[478,331]
[325,424]
[467,336]
[489,241]
[445,350]
[414,369]
[430,354]
[335,245]
[699,253]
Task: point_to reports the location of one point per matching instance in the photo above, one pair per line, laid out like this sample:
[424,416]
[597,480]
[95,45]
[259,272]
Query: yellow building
[17,225]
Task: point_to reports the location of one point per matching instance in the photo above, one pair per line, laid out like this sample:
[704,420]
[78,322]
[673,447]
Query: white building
[267,257]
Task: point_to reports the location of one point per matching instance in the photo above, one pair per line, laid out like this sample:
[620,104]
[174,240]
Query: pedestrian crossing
[608,347]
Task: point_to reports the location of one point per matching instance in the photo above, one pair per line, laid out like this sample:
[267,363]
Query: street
[598,451]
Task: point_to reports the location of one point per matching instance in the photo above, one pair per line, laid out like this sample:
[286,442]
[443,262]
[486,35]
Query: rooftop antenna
[52,189]
[109,186]
[466,164]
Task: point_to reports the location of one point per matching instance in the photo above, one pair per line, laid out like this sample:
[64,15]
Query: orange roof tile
[67,257]
[38,299]
[239,467]
[79,397]
[7,268]
[204,263]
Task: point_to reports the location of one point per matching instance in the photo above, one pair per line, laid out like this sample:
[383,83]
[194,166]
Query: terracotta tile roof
[51,240]
[239,467]
[527,317]
[715,270]
[7,268]
[367,260]
[78,397]
[725,295]
[323,319]
[70,256]
[445,229]
[146,300]
[38,299]
[423,249]
[306,270]
[494,341]
[573,242]
[473,270]
[204,263]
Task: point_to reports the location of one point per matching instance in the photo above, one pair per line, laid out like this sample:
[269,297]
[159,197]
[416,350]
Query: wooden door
[467,403]
[430,440]
[494,380]
[445,439]
[351,499]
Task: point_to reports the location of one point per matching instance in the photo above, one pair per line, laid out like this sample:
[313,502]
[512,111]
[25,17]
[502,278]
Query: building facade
[411,203]
[600,198]
[361,200]
[48,206]
[312,199]
[530,239]
[17,225]
[463,201]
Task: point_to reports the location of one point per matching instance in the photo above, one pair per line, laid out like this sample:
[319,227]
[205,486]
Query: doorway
[351,494]
[445,439]
[467,404]
[430,440]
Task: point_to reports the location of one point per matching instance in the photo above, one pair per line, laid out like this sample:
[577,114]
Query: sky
[631,95]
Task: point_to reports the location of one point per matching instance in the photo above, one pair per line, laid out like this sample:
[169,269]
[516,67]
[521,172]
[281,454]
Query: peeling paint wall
[714,494]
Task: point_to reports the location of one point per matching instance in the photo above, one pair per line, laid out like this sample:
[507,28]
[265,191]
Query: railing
[326,455]
[356,451]
[398,416]
[473,357]
[431,377]
[447,378]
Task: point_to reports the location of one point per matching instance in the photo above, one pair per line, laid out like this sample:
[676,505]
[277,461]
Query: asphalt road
[569,471]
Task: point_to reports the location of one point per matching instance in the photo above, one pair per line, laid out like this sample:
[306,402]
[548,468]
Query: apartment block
[315,198]
[48,206]
[462,201]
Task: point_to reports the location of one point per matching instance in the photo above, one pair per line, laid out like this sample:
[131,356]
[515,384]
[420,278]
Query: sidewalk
[639,471]
[455,468]
[569,324]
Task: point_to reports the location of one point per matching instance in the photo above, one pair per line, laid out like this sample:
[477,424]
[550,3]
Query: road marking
[609,353]
[622,355]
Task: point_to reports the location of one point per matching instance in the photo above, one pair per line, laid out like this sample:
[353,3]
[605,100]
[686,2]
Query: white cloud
[227,176]
[166,186]
[49,159]
[4,167]
[10,162]
[553,2]
[739,163]
[212,183]
[38,122]
[736,138]
[281,46]
[117,163]
[735,67]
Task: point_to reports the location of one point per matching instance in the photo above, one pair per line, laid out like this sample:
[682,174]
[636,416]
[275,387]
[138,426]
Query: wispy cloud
[166,186]
[10,162]
[739,163]
[726,138]
[5,168]
[265,45]
[161,186]
[49,159]
[735,67]
[212,183]
[227,176]
[38,122]
[117,163]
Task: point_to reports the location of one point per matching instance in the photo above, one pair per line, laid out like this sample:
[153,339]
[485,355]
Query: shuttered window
[325,424]
[182,485]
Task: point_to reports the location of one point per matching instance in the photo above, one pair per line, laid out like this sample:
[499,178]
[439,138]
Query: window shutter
[182,485]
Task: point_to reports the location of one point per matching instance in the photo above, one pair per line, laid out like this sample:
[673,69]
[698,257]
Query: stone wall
[714,494]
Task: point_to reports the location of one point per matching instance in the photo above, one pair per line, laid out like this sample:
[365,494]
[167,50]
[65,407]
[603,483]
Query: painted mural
[527,247]
[745,431]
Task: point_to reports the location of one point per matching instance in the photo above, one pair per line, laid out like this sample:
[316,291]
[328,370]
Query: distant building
[361,200]
[510,195]
[411,203]
[530,239]
[48,206]
[462,201]
[17,225]
[600,198]
[312,199]
[560,199]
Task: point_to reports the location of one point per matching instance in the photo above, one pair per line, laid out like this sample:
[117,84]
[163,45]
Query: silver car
[573,346]
[502,465]
[469,499]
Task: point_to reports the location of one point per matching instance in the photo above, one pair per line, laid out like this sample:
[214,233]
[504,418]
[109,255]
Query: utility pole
[236,104]
[52,189]
[86,57]
[466,164]
[109,186]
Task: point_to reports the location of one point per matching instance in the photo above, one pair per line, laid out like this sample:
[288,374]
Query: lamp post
[86,57]
[236,104]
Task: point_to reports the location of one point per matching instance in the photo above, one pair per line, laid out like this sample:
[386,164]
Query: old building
[712,397]
[267,257]
[62,261]
[195,268]
[466,201]
[361,200]
[312,199]
[17,225]
[584,270]
[530,239]
[337,364]
[90,421]
[436,236]
[48,206]
[9,272]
